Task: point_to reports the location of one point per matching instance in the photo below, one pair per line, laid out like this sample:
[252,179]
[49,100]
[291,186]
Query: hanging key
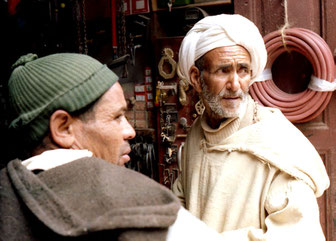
[170,5]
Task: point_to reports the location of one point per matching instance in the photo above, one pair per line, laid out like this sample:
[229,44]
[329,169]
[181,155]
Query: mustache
[224,93]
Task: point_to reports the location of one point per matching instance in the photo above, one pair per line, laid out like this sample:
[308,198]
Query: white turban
[219,31]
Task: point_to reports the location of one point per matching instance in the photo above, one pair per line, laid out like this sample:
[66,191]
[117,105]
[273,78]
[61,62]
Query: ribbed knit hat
[40,86]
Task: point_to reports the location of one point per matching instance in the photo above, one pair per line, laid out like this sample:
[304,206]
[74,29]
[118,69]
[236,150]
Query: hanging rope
[285,26]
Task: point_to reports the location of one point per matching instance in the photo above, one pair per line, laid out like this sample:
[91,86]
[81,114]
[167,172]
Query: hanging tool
[117,62]
[133,50]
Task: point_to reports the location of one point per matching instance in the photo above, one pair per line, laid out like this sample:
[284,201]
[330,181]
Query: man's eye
[225,70]
[244,70]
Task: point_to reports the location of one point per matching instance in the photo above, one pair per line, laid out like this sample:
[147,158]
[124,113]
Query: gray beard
[214,102]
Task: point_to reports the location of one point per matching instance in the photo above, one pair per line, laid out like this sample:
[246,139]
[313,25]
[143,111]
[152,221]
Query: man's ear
[61,128]
[195,78]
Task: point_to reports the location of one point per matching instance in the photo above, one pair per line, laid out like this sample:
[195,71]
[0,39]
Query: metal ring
[168,55]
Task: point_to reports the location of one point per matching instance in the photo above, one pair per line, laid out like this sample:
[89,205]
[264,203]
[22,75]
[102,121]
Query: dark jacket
[87,199]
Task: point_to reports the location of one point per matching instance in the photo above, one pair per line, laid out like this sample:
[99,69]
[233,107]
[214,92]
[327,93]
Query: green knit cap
[40,86]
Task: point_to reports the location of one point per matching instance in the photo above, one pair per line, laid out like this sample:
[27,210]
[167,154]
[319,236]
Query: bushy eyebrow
[222,66]
[244,65]
[228,65]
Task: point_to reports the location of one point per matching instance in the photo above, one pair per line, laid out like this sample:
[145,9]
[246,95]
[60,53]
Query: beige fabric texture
[253,181]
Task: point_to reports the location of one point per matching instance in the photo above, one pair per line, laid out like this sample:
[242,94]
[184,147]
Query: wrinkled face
[107,134]
[225,81]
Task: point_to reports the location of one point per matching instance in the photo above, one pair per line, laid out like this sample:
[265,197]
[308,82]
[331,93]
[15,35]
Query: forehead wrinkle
[109,106]
[226,57]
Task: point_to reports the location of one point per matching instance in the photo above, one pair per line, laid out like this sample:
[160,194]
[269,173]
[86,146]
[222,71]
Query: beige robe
[254,178]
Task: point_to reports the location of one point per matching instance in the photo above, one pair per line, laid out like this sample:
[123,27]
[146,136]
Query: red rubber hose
[308,104]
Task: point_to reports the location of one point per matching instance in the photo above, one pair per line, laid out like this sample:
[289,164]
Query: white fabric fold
[188,227]
[318,84]
[315,83]
[265,75]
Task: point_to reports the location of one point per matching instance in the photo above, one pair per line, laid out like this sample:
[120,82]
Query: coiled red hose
[308,104]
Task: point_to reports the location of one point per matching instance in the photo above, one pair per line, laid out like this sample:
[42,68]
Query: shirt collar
[53,158]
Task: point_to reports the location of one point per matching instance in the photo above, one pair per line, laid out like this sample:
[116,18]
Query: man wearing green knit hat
[48,94]
[70,111]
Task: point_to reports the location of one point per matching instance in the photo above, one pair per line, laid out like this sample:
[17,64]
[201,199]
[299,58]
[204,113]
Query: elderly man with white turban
[246,170]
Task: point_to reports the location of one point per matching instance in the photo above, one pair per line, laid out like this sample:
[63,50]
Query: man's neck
[46,144]
[214,122]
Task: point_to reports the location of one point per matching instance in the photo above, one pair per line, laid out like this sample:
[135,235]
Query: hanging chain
[84,27]
[76,17]
[79,15]
[122,30]
[122,43]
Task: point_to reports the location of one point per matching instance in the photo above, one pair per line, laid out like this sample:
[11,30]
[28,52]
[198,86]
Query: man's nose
[233,83]
[129,132]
